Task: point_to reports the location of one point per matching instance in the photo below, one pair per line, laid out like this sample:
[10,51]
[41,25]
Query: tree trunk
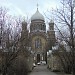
[73,71]
[4,72]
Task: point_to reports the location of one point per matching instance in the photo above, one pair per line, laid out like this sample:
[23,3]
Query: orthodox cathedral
[40,40]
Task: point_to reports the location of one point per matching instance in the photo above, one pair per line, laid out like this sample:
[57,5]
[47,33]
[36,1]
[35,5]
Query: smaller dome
[24,22]
[37,16]
[51,21]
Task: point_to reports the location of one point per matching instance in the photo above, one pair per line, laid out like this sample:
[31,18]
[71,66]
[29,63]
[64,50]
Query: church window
[38,43]
[37,26]
[41,26]
[45,27]
[51,27]
[34,27]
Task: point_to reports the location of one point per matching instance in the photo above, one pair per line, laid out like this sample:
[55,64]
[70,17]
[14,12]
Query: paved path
[41,70]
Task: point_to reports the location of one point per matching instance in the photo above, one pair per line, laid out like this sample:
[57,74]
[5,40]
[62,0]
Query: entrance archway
[38,58]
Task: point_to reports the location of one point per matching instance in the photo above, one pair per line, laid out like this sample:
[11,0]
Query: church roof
[37,16]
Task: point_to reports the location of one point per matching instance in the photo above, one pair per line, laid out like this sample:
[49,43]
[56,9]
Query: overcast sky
[28,7]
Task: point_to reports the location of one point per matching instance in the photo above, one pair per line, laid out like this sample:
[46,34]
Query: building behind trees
[40,40]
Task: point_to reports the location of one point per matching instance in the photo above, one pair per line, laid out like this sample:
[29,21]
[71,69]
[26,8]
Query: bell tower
[51,25]
[51,34]
[24,34]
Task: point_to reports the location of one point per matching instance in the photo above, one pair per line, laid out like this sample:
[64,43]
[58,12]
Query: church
[40,40]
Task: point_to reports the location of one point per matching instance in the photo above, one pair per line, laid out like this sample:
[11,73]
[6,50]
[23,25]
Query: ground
[41,70]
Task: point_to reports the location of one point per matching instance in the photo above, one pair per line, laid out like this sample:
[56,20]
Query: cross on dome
[37,15]
[37,6]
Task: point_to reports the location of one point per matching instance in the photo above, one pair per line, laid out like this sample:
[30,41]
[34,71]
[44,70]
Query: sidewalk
[41,70]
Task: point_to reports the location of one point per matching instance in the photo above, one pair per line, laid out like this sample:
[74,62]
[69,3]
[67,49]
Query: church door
[38,58]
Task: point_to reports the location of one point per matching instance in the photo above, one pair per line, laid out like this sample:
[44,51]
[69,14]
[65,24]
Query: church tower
[24,35]
[51,34]
[38,36]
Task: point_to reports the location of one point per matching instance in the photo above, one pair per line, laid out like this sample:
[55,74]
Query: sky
[28,7]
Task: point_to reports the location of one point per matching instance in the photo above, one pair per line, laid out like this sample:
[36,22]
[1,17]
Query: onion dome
[37,16]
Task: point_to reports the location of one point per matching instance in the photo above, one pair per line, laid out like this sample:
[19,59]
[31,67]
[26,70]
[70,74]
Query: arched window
[41,26]
[38,43]
[44,27]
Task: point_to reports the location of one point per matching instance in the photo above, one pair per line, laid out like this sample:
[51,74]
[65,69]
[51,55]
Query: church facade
[40,40]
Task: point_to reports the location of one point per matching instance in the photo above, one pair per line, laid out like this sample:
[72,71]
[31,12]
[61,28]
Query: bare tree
[11,41]
[65,18]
